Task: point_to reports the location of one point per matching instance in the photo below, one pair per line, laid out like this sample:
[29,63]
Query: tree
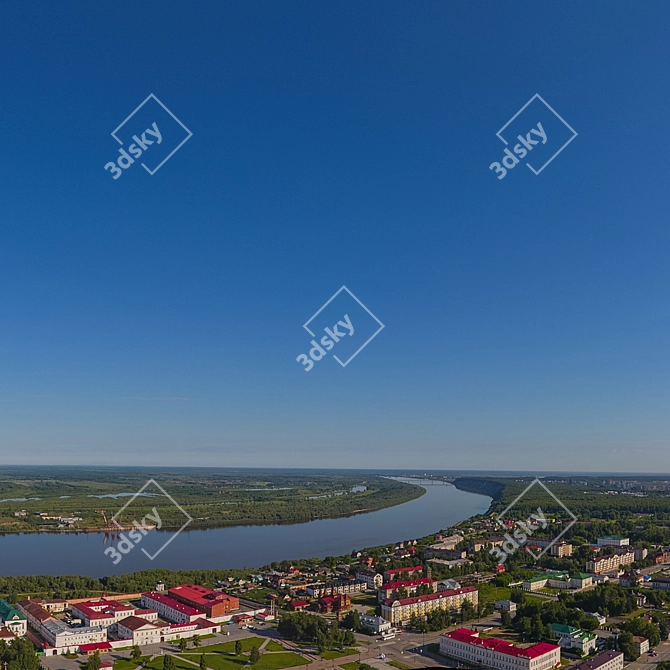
[254,656]
[183,644]
[467,611]
[196,641]
[202,664]
[626,644]
[238,647]
[168,662]
[352,620]
[505,618]
[94,662]
[136,654]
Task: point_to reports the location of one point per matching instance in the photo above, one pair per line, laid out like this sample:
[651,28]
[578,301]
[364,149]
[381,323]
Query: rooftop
[432,596]
[171,602]
[598,660]
[501,646]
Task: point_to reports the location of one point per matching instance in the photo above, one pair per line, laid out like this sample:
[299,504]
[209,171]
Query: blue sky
[156,319]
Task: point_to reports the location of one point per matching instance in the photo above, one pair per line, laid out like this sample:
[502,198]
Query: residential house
[605,660]
[641,644]
[372,578]
[574,638]
[399,612]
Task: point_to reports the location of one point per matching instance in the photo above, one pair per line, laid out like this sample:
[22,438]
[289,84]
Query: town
[438,601]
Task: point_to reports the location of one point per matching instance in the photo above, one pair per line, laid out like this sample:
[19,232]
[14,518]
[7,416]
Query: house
[599,617]
[448,585]
[605,660]
[630,579]
[399,612]
[580,580]
[662,583]
[372,578]
[12,619]
[466,645]
[90,649]
[574,638]
[6,635]
[505,605]
[340,602]
[640,553]
[376,624]
[478,545]
[641,644]
[102,613]
[299,605]
[613,541]
[660,556]
[141,631]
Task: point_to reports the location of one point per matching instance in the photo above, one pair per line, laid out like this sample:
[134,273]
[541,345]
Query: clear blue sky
[157,319]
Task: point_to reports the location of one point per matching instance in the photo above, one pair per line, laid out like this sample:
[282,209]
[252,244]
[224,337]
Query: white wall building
[466,645]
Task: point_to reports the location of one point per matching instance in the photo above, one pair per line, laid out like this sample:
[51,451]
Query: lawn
[180,664]
[399,665]
[273,646]
[222,662]
[365,599]
[350,666]
[488,593]
[333,653]
[248,643]
[286,659]
[125,663]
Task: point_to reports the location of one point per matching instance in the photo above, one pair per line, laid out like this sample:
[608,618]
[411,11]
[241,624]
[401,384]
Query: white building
[448,585]
[613,541]
[505,605]
[64,639]
[466,645]
[371,577]
[170,609]
[375,623]
[574,638]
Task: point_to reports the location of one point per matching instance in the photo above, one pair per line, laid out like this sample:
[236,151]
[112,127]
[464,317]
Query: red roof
[299,603]
[94,646]
[501,646]
[171,602]
[432,596]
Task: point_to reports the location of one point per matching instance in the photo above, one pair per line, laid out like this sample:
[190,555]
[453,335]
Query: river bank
[439,507]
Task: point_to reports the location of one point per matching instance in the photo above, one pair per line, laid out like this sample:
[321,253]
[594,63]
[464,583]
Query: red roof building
[466,645]
[212,603]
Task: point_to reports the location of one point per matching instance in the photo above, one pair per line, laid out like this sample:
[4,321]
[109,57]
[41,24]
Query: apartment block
[399,612]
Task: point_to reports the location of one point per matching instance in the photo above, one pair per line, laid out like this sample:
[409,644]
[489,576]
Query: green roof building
[12,619]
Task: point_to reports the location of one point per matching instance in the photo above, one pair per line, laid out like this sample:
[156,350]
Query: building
[62,639]
[335,588]
[446,547]
[581,580]
[478,545]
[299,605]
[448,585]
[399,612]
[613,541]
[505,606]
[630,579]
[466,645]
[662,583]
[390,589]
[12,619]
[574,638]
[560,549]
[141,631]
[372,578]
[340,602]
[104,613]
[640,553]
[602,620]
[403,573]
[641,644]
[6,635]
[376,624]
[660,556]
[605,660]
[169,608]
[212,603]
[609,563]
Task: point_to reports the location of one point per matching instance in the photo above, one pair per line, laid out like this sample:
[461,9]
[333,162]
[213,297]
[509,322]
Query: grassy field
[350,666]
[287,659]
[248,643]
[489,593]
[399,665]
[273,646]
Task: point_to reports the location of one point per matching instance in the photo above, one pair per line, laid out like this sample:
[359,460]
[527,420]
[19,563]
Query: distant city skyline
[157,318]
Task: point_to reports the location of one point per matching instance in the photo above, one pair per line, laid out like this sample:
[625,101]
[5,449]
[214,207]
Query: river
[244,546]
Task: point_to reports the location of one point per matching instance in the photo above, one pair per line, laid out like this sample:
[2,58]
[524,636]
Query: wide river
[244,546]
